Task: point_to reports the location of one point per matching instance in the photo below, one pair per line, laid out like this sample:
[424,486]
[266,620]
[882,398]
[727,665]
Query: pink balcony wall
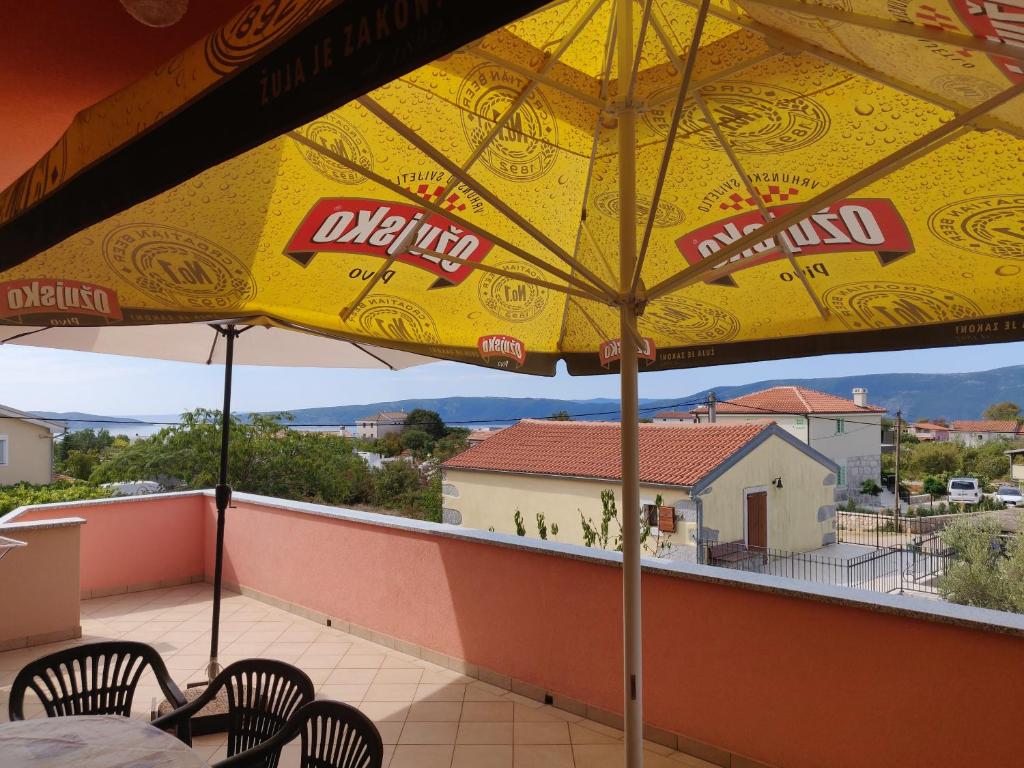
[777,672]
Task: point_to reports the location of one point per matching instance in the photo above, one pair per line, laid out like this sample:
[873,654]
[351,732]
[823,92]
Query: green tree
[77,453]
[455,442]
[264,457]
[389,445]
[560,416]
[870,488]
[978,575]
[933,459]
[395,484]
[987,462]
[417,441]
[934,486]
[1004,411]
[427,421]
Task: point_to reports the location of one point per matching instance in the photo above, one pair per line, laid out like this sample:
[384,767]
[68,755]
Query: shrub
[23,494]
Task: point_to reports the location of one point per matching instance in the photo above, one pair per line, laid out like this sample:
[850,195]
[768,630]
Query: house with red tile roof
[849,432]
[751,482]
[927,431]
[977,432]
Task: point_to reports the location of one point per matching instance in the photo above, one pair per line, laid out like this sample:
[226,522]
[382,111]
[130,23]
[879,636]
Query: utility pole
[712,407]
[896,487]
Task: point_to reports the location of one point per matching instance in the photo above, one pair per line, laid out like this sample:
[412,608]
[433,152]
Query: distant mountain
[75,420]
[465,411]
[919,395]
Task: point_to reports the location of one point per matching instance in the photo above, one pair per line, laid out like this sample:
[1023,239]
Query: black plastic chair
[90,679]
[334,735]
[261,695]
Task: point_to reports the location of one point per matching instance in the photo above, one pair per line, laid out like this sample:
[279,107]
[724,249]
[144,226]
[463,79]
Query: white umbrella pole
[222,495]
[631,627]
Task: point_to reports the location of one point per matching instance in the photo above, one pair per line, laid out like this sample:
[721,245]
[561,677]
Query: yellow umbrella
[624,186]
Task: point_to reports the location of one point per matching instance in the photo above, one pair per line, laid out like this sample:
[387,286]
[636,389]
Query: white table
[95,741]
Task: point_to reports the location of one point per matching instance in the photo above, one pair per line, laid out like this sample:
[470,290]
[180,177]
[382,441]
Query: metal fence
[904,555]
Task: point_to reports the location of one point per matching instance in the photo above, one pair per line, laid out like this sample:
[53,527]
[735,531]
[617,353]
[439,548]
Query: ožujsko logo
[381,228]
[57,297]
[611,351]
[865,224]
[1000,21]
[501,346]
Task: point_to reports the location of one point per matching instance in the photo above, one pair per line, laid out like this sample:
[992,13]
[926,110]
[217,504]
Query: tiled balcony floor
[428,716]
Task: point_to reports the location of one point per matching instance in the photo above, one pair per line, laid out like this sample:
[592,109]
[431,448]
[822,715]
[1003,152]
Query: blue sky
[40,379]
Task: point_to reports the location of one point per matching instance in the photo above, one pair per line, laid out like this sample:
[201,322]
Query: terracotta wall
[39,584]
[774,676]
[137,543]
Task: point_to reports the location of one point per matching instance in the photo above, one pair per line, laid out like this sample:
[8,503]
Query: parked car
[964,490]
[1009,495]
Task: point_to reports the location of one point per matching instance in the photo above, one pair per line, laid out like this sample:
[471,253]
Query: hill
[75,420]
[919,395]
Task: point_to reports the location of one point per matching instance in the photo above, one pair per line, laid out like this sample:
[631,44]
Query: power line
[805,415]
[141,423]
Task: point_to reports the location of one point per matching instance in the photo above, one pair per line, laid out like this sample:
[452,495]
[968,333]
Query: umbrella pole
[632,647]
[222,495]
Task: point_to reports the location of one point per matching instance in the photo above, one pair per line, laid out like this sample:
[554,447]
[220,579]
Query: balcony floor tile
[428,716]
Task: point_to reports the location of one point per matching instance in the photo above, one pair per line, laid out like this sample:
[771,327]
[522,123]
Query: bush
[870,488]
[23,494]
[934,486]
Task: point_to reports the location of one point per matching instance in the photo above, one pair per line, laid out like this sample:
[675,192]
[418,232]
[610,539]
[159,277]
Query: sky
[54,380]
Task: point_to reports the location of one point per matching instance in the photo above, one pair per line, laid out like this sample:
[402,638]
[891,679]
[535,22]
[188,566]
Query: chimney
[860,396]
[712,407]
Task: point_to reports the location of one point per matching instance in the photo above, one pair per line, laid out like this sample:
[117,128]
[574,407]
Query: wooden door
[757,520]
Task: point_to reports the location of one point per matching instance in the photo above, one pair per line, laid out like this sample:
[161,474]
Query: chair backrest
[336,735]
[90,679]
[261,695]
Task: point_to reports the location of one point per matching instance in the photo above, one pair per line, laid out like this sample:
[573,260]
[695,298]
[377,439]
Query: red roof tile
[674,415]
[985,425]
[670,454]
[790,399]
[929,426]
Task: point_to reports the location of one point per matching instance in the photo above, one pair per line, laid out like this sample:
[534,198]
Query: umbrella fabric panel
[470,209]
[201,343]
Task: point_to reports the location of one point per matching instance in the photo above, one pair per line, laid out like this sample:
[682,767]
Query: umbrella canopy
[620,185]
[204,343]
[431,216]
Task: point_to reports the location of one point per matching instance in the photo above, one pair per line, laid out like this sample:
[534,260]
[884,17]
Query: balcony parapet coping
[38,525]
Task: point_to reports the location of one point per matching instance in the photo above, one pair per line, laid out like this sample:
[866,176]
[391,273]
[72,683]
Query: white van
[964,490]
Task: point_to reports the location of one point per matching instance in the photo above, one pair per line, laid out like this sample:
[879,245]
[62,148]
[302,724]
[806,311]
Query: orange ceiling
[57,57]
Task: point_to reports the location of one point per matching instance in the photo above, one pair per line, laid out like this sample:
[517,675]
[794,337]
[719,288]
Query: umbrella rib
[413,138]
[25,334]
[666,158]
[970,42]
[605,76]
[586,289]
[670,51]
[474,155]
[723,140]
[365,351]
[635,69]
[923,145]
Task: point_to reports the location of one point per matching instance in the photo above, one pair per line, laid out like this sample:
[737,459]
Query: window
[841,475]
[840,426]
[3,450]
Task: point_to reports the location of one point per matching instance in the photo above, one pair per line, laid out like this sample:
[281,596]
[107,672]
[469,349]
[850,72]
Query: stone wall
[861,468]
